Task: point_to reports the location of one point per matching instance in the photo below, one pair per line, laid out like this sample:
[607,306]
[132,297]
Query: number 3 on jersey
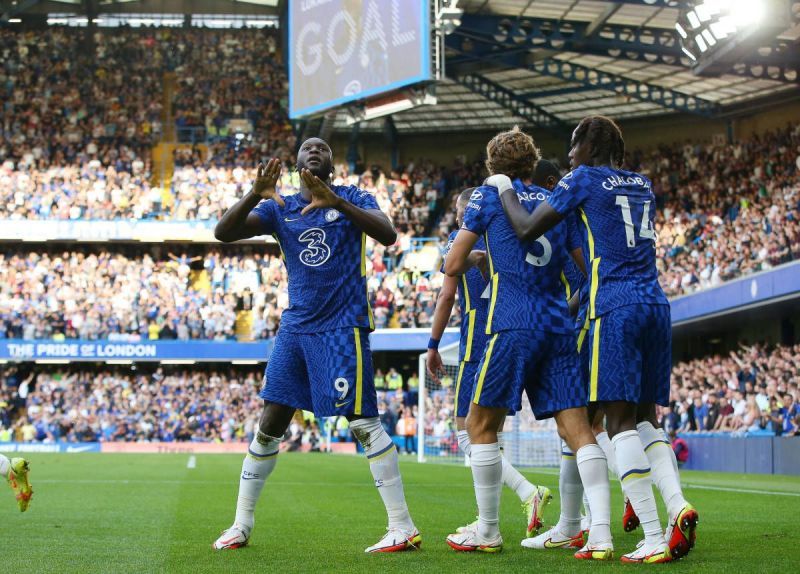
[645,231]
[317,251]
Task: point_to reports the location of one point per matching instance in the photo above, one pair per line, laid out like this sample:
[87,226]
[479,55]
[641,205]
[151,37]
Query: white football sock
[608,449]
[487,476]
[593,469]
[384,464]
[673,458]
[512,478]
[659,453]
[262,455]
[570,489]
[634,471]
[587,510]
[463,442]
[5,465]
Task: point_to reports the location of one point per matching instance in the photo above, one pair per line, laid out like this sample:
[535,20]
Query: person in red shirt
[681,448]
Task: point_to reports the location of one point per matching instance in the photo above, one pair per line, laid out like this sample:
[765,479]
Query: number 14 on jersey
[646,230]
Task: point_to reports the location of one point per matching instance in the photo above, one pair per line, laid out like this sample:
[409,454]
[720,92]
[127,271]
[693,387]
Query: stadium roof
[550,62]
[547,62]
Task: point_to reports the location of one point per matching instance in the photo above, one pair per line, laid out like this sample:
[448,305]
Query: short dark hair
[604,138]
[513,153]
[544,169]
[464,196]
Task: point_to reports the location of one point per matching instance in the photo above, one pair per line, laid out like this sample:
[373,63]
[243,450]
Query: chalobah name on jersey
[619,181]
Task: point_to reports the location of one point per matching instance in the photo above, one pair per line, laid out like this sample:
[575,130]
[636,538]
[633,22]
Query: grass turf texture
[150,513]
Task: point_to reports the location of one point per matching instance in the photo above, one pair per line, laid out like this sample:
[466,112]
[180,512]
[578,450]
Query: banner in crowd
[63,447]
[107,230]
[82,350]
[152,447]
[199,351]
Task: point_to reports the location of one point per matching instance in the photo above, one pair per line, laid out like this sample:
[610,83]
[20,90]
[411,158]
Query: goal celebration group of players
[559,299]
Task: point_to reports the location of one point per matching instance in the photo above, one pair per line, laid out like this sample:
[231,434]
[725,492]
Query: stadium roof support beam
[651,45]
[626,87]
[506,98]
[650,3]
[600,80]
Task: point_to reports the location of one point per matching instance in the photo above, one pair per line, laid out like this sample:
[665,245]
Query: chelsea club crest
[331,215]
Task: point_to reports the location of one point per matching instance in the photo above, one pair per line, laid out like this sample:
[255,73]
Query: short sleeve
[571,191]
[265,210]
[360,198]
[479,210]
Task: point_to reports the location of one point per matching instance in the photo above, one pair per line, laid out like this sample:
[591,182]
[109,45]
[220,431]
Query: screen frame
[425,54]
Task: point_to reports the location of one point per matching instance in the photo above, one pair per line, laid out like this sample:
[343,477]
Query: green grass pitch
[150,513]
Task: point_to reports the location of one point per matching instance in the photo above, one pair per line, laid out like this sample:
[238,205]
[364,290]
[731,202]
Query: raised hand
[500,181]
[266,178]
[434,365]
[322,196]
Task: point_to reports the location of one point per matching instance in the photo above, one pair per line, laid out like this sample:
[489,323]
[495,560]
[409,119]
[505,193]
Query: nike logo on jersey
[286,219]
[338,405]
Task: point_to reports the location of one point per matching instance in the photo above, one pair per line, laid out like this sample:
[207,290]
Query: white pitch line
[192,462]
[742,490]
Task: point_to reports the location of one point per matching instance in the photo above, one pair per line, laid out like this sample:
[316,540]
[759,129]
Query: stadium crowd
[754,389]
[74,145]
[87,406]
[727,210]
[127,294]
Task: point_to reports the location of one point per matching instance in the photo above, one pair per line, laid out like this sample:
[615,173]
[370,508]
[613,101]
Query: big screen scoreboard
[342,51]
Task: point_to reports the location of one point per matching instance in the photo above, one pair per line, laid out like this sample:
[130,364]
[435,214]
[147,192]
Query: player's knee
[482,424]
[647,414]
[367,430]
[275,419]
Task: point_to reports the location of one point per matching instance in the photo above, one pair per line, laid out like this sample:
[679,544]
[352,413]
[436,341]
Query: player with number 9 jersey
[321,360]
[532,338]
[324,331]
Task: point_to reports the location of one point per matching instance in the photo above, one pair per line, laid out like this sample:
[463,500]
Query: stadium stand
[755,389]
[84,149]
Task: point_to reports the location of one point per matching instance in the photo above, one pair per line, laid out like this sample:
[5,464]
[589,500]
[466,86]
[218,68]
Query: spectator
[680,447]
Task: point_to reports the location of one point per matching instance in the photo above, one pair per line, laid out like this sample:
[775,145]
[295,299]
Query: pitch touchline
[368,484]
[742,490]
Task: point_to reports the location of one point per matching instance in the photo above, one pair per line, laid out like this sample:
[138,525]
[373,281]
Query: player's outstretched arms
[373,222]
[238,222]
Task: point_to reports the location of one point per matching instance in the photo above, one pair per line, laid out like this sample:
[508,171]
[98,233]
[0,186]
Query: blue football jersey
[617,209]
[576,283]
[325,258]
[527,289]
[473,301]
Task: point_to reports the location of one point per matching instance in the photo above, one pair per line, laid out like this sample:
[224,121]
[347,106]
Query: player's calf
[383,463]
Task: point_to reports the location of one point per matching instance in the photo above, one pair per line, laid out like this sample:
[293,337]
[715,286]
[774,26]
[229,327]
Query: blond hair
[513,153]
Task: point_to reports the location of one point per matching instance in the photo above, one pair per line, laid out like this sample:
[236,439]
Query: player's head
[315,154]
[597,141]
[461,204]
[546,174]
[512,153]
